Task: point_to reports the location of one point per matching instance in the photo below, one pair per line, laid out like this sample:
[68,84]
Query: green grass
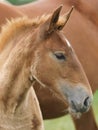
[65,123]
[95,105]
[19,2]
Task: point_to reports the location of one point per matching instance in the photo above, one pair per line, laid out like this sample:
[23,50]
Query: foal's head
[56,66]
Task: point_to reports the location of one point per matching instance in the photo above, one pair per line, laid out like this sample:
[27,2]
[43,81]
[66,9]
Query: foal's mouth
[77,112]
[73,113]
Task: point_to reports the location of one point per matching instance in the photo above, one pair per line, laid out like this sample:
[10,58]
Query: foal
[36,51]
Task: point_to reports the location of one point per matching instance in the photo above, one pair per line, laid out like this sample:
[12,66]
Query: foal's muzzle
[79,98]
[81,106]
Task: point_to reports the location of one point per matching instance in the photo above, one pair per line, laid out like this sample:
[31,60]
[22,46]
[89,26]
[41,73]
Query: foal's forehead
[58,42]
[61,41]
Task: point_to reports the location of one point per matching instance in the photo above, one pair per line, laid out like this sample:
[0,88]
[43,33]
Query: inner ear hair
[64,19]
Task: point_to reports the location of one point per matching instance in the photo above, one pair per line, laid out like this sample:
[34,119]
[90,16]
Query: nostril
[86,102]
[80,106]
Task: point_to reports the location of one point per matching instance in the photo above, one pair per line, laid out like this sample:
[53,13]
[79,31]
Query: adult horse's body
[29,47]
[83,37]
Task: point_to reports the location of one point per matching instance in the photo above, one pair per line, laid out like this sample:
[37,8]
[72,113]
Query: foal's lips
[74,114]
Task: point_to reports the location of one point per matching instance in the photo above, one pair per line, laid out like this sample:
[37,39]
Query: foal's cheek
[46,74]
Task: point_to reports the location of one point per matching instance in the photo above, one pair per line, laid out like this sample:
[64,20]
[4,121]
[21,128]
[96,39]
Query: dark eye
[60,56]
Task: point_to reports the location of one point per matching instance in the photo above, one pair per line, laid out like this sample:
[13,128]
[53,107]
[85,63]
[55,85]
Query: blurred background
[62,123]
[18,2]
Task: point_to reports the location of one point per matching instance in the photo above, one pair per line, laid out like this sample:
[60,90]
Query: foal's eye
[60,56]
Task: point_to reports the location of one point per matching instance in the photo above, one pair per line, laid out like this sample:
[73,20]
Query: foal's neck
[15,88]
[18,103]
[14,77]
[14,80]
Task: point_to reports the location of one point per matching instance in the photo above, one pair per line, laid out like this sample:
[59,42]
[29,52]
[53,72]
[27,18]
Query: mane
[13,25]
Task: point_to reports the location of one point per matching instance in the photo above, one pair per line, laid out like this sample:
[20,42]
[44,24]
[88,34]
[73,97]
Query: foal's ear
[54,19]
[64,19]
[57,22]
